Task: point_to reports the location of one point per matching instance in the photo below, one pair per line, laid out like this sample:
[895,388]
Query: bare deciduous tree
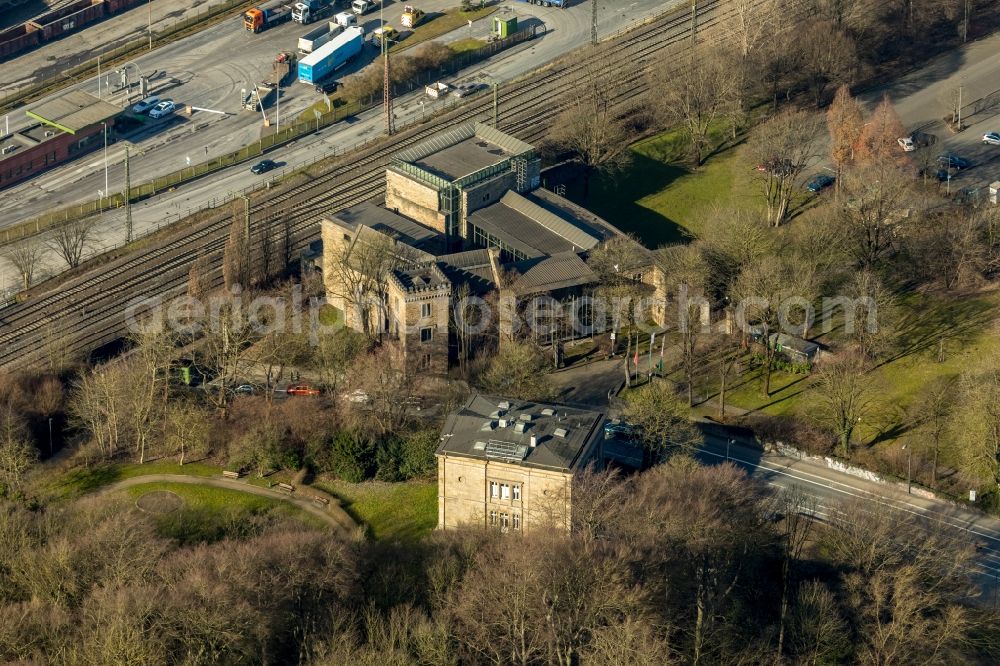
[694,89]
[71,239]
[781,148]
[828,56]
[662,420]
[846,396]
[26,257]
[591,128]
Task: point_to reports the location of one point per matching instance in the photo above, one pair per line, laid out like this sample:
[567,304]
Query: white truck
[346,19]
[360,7]
[311,10]
[314,39]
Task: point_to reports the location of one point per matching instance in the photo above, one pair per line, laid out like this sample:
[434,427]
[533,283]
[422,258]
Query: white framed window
[517,521]
[494,489]
[505,491]
[517,492]
[493,518]
[426,334]
[425,310]
[504,521]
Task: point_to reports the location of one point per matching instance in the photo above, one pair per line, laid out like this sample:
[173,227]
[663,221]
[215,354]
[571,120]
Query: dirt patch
[160,502]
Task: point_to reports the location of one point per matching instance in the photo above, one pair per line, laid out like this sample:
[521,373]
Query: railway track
[89,311]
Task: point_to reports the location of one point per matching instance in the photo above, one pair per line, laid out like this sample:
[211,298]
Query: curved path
[332,514]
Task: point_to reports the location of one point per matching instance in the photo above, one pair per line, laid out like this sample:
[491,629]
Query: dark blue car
[953,161]
[820,182]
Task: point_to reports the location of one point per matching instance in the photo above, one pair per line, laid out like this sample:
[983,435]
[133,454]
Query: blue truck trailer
[332,55]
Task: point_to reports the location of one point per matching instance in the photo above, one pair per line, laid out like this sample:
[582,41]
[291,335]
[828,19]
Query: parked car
[302,389]
[327,87]
[777,166]
[357,396]
[145,105]
[244,389]
[164,108]
[262,166]
[820,182]
[953,161]
[906,143]
[992,138]
[463,89]
[386,32]
[923,139]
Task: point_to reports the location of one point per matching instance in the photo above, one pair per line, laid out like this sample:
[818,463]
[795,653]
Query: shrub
[350,456]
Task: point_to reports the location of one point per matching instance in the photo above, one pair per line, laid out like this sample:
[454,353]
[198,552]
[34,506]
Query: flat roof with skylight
[530,434]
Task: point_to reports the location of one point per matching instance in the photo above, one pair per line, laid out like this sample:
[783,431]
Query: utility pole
[593,23]
[128,201]
[386,86]
[960,108]
[149,17]
[245,259]
[496,106]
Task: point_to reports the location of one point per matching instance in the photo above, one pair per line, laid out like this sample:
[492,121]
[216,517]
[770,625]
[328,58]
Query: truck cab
[412,16]
[253,20]
[345,19]
[359,7]
[310,10]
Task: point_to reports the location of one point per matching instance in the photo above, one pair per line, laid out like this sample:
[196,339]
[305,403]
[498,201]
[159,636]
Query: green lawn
[84,480]
[400,511]
[210,514]
[660,199]
[967,325]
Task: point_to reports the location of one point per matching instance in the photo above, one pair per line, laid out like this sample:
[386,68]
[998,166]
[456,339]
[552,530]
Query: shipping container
[332,55]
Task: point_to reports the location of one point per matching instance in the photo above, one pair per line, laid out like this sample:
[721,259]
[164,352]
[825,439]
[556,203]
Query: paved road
[828,487]
[922,99]
[332,514]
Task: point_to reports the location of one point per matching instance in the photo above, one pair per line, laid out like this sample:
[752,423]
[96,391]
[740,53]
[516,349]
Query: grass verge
[391,511]
[211,514]
[79,481]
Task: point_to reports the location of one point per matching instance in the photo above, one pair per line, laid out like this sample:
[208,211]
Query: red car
[302,389]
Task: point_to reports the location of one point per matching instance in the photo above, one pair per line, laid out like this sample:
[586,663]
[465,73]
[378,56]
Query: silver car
[145,105]
[992,138]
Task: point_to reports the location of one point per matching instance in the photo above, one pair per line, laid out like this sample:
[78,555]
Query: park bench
[230,475]
[288,488]
[321,500]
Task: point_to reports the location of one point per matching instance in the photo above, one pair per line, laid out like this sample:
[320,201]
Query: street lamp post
[909,461]
[149,17]
[50,437]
